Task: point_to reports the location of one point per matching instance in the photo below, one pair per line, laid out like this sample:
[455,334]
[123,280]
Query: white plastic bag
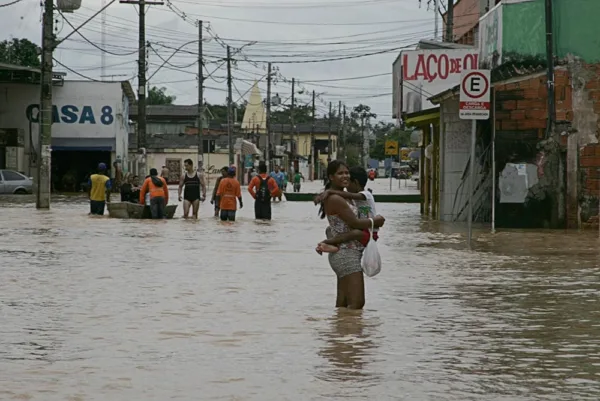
[371,260]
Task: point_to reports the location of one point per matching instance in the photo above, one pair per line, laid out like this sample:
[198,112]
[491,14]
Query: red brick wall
[589,157]
[466,17]
[522,106]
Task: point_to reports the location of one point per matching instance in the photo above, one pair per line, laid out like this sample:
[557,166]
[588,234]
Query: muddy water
[102,309]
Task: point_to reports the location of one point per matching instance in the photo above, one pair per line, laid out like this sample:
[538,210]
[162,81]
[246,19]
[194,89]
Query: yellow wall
[304,145]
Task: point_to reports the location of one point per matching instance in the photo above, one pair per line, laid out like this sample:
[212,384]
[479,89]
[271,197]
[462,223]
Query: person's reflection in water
[348,347]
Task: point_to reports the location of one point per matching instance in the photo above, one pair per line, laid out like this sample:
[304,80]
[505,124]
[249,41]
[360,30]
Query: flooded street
[107,309]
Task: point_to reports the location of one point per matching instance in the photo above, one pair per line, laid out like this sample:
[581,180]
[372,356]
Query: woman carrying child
[345,231]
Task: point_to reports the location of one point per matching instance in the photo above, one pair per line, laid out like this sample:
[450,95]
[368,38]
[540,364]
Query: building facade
[90,125]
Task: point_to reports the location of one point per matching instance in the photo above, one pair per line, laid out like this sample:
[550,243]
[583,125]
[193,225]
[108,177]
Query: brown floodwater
[104,309]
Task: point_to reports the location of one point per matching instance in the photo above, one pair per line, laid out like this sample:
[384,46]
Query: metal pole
[313,153]
[200,122]
[339,131]
[362,151]
[450,22]
[344,134]
[494,163]
[293,126]
[141,120]
[436,10]
[268,122]
[329,136]
[45,119]
[229,100]
[550,68]
[471,181]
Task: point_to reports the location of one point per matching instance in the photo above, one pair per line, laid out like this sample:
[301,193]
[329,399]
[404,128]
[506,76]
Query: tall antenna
[103,54]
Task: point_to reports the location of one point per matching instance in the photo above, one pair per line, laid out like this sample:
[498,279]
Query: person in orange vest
[229,189]
[159,194]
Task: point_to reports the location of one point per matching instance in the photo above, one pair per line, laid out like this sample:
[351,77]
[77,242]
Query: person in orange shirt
[262,188]
[159,194]
[229,189]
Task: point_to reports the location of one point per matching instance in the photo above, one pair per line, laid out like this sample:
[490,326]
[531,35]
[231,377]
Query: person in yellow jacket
[159,194]
[99,190]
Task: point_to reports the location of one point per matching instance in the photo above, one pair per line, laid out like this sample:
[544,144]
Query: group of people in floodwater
[349,207]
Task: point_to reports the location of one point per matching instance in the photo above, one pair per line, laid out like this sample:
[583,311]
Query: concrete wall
[455,149]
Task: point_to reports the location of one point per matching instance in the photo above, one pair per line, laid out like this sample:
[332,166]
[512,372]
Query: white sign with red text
[421,74]
[475,95]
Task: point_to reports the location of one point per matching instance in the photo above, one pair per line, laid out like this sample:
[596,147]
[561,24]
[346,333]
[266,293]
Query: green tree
[384,132]
[158,96]
[20,52]
[302,114]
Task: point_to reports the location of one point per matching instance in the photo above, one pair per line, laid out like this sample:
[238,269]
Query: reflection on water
[349,345]
[97,308]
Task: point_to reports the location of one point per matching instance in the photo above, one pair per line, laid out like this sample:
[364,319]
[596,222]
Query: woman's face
[341,178]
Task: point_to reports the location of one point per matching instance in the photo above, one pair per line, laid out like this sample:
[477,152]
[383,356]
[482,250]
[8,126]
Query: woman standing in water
[342,216]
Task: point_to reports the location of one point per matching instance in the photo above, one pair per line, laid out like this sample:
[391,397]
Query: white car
[12,182]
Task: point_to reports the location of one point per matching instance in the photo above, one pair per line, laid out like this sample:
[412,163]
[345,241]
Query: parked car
[12,182]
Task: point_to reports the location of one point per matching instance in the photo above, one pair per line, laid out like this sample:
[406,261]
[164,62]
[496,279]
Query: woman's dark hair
[332,168]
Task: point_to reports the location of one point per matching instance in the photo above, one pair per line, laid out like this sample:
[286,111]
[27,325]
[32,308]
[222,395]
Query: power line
[10,4]
[74,72]
[309,23]
[289,5]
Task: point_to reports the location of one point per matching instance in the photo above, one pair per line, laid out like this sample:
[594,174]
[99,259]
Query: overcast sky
[287,32]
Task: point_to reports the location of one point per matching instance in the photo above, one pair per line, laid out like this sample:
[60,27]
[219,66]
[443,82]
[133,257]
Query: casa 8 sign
[475,95]
[71,114]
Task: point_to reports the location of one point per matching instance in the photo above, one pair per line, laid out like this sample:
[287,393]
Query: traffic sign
[475,95]
[391,148]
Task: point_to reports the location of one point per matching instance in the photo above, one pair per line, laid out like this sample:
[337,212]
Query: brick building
[558,164]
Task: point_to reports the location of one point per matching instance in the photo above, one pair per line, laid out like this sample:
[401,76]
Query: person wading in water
[159,194]
[342,216]
[195,189]
[99,190]
[213,199]
[262,188]
[229,189]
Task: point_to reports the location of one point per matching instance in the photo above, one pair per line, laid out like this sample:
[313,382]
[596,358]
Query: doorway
[72,168]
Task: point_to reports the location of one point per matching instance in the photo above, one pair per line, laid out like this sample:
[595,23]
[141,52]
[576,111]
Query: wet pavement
[105,309]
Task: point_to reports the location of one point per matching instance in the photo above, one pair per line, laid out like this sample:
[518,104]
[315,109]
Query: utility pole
[550,68]
[363,150]
[200,122]
[450,22]
[313,152]
[142,65]
[229,100]
[329,136]
[292,122]
[436,11]
[344,134]
[339,130]
[268,122]
[45,118]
